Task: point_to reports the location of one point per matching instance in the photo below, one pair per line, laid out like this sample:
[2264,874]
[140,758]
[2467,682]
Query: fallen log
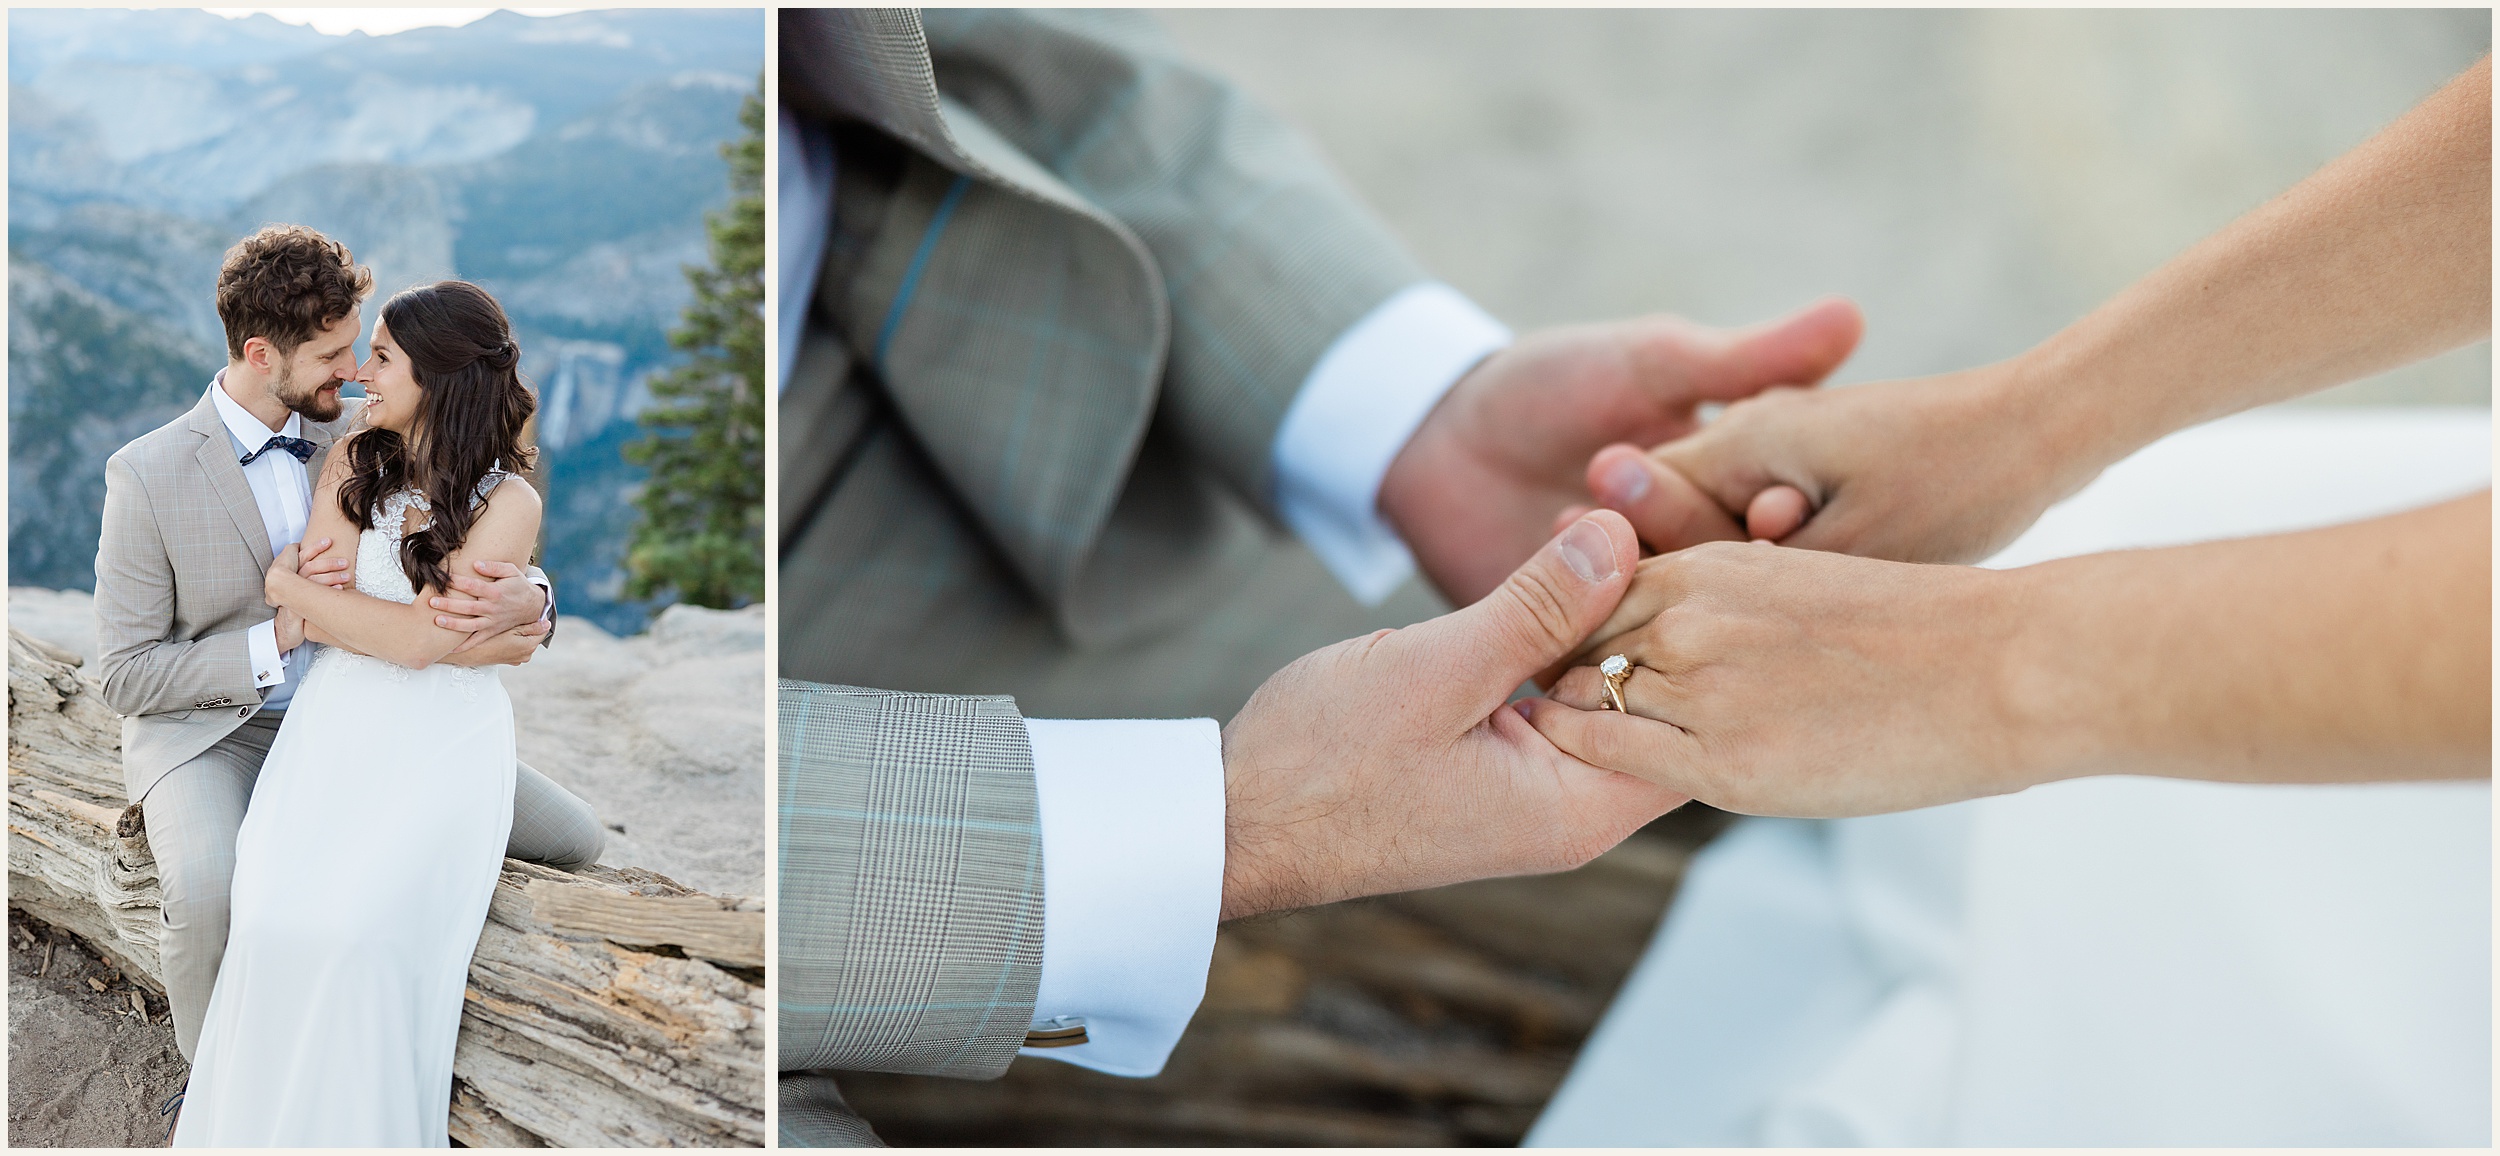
[610,1007]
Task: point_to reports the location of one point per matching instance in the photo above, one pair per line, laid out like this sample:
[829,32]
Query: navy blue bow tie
[303,450]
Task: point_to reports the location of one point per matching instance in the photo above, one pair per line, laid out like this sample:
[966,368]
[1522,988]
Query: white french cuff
[1132,819]
[268,663]
[1363,399]
[538,578]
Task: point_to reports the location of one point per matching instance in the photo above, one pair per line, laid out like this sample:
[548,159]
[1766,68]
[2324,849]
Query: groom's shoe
[173,1108]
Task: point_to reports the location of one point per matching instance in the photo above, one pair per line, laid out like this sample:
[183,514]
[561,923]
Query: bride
[377,829]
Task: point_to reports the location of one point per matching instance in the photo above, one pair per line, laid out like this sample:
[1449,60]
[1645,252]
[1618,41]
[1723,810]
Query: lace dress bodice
[379,574]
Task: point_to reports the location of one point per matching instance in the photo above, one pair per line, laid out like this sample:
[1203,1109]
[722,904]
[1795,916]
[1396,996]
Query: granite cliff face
[565,163]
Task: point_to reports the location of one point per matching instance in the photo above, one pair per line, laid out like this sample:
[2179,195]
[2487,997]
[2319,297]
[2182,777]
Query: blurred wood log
[610,1008]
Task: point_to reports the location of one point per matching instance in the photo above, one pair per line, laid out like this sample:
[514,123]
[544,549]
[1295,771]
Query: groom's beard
[319,403]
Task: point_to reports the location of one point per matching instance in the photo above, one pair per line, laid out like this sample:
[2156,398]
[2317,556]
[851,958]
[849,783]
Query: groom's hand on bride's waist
[498,600]
[1392,762]
[510,648]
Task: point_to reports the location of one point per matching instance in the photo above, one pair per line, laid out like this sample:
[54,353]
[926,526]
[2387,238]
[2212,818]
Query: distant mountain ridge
[565,163]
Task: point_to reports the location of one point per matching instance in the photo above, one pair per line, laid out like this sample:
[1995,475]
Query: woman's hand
[297,568]
[1472,491]
[1776,681]
[1795,682]
[1937,469]
[310,561]
[2381,258]
[282,579]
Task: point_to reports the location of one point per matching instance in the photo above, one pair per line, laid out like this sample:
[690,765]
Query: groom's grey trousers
[196,809]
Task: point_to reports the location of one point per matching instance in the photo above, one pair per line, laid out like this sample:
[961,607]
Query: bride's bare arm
[2381,258]
[1799,682]
[507,530]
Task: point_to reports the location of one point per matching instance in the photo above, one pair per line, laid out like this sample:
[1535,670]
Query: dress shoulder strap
[486,485]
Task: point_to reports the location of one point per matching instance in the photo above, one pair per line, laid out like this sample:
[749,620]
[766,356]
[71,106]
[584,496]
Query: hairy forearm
[510,648]
[2379,259]
[2353,653]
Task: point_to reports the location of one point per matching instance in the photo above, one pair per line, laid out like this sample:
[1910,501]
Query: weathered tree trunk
[610,1008]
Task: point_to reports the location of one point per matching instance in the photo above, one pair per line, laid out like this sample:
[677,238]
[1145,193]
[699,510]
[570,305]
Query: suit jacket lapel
[225,478]
[869,64]
[1045,446]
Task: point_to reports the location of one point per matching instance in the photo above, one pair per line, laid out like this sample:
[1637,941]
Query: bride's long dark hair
[469,421]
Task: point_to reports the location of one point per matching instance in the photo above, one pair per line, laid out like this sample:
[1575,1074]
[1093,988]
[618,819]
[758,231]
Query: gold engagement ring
[1617,669]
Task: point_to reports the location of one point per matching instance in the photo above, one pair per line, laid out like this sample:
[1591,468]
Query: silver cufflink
[1056,1032]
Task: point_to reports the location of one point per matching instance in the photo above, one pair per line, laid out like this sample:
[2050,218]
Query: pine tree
[701,534]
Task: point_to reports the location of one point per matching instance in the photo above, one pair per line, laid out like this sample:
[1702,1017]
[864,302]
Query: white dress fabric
[362,875]
[2102,962]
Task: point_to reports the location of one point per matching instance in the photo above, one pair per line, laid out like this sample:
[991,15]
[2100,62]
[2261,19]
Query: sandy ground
[85,1070]
[663,733]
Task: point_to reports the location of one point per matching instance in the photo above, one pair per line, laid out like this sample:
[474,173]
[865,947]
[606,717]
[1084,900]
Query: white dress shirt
[1132,810]
[283,491]
[805,178]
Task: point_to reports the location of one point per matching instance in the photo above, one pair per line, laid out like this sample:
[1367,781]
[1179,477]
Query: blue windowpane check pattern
[911,881]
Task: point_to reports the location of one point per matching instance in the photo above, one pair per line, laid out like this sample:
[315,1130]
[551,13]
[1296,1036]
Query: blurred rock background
[1974,180]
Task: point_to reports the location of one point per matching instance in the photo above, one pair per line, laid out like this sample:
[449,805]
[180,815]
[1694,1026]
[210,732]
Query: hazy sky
[379,21]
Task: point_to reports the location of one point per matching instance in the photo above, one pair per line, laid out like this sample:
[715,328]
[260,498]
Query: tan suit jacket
[178,577]
[1072,282]
[1071,285]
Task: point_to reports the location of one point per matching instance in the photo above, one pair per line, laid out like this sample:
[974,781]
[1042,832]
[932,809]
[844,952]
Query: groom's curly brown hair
[286,283]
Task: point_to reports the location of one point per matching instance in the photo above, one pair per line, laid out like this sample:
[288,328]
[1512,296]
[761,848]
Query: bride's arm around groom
[506,530]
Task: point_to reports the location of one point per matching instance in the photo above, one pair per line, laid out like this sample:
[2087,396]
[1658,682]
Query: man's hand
[290,627]
[510,648]
[1773,681]
[1479,485]
[1390,762]
[496,602]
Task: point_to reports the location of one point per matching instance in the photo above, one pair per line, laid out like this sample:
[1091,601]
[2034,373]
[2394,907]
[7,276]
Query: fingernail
[1585,548]
[1626,481]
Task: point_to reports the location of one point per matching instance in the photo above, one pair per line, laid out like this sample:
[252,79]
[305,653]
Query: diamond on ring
[1616,668]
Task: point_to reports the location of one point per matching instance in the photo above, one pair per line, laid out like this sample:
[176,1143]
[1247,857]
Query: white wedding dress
[362,875]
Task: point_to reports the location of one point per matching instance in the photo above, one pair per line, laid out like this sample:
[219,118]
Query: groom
[198,666]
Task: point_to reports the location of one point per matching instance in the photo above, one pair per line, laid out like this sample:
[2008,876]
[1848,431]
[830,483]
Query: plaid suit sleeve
[1265,255]
[911,881]
[144,671]
[814,1115]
